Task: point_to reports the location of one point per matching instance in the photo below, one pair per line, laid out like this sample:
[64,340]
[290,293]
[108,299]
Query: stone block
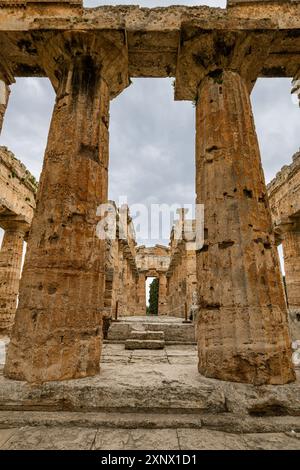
[142,335]
[144,344]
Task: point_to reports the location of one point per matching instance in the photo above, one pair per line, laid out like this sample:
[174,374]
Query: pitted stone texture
[43,438]
[17,189]
[181,275]
[10,271]
[122,279]
[291,256]
[153,35]
[243,330]
[105,438]
[155,381]
[284,195]
[57,332]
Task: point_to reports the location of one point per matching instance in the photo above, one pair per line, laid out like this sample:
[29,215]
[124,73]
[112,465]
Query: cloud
[152,155]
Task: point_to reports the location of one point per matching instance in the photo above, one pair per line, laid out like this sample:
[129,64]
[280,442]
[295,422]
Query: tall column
[141,294]
[10,270]
[4,95]
[162,295]
[291,254]
[243,325]
[57,333]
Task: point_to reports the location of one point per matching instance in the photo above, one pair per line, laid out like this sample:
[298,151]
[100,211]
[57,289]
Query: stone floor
[43,438]
[148,400]
[171,354]
[152,319]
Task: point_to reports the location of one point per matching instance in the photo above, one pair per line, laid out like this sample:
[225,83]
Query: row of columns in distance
[243,332]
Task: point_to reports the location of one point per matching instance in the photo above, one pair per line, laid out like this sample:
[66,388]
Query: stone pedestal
[10,271]
[243,326]
[57,333]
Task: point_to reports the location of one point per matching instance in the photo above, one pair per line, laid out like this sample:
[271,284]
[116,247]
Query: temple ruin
[17,200]
[284,196]
[89,55]
[78,289]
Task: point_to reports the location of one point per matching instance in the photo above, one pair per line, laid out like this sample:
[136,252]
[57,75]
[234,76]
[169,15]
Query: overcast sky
[152,136]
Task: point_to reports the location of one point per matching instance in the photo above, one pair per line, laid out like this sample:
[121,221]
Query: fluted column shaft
[291,254]
[243,327]
[57,332]
[10,272]
[4,95]
[162,295]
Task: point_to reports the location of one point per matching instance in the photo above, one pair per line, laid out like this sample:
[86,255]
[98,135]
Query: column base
[70,363]
[258,359]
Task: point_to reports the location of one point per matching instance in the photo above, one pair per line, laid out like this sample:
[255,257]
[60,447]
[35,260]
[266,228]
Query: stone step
[144,335]
[144,344]
[227,422]
[147,388]
[178,332]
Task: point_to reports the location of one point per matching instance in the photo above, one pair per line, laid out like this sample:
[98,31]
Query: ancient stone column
[162,295]
[141,294]
[4,95]
[10,270]
[57,333]
[291,254]
[243,325]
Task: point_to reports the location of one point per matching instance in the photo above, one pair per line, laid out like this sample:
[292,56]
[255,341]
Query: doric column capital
[286,225]
[101,53]
[205,51]
[14,224]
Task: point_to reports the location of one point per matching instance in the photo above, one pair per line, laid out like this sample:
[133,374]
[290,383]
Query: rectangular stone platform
[155,382]
[144,335]
[175,331]
[144,344]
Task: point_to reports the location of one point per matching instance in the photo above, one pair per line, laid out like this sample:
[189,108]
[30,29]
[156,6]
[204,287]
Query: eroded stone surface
[45,438]
[80,438]
[17,203]
[243,330]
[284,196]
[71,278]
[57,332]
[162,380]
[181,274]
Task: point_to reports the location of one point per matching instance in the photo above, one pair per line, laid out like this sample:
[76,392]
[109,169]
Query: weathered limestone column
[296,86]
[57,333]
[141,294]
[10,270]
[291,254]
[162,295]
[243,325]
[4,95]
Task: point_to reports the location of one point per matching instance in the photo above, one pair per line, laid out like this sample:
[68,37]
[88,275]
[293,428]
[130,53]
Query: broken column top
[284,195]
[285,173]
[17,189]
